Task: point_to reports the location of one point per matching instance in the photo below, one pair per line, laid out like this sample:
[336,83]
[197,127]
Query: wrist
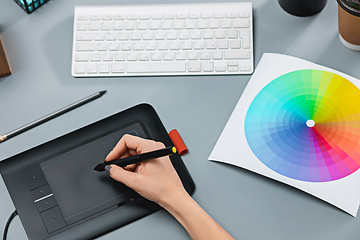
[173,201]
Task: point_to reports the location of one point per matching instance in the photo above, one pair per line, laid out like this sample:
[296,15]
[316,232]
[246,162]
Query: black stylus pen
[123,162]
[51,116]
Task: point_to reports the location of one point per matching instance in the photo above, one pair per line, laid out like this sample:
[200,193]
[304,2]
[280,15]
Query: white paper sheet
[232,146]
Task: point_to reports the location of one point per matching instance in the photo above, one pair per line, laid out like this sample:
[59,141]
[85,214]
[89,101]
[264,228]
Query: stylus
[123,162]
[51,116]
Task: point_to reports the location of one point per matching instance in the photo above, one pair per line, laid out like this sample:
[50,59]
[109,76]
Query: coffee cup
[349,23]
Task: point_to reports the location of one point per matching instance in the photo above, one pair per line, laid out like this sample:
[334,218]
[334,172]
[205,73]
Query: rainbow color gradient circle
[305,125]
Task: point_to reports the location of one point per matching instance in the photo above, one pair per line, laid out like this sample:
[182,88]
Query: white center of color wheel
[310,123]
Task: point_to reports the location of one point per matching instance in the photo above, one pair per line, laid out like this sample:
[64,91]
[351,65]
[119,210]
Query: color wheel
[305,125]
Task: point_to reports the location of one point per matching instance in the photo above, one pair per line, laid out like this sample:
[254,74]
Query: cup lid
[351,6]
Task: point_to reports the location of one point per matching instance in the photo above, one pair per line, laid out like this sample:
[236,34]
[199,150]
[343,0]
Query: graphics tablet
[57,193]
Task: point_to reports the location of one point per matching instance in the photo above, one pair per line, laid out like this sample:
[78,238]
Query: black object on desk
[30,5]
[56,201]
[302,8]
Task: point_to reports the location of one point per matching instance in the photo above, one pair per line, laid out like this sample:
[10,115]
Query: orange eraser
[178,142]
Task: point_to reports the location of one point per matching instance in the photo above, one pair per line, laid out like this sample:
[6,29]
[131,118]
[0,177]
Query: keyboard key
[126,46]
[214,24]
[245,67]
[243,14]
[219,15]
[81,26]
[144,17]
[94,17]
[198,45]
[235,44]
[94,26]
[180,56]
[217,55]
[92,68]
[154,25]
[156,67]
[107,57]
[144,56]
[79,68]
[220,34]
[194,15]
[192,55]
[95,57]
[82,17]
[241,23]
[150,46]
[119,56]
[132,17]
[83,36]
[147,36]
[118,26]
[231,34]
[104,68]
[208,66]
[211,44]
[245,36]
[194,67]
[208,35]
[99,36]
[223,44]
[138,46]
[85,47]
[114,46]
[168,56]
[123,36]
[237,54]
[231,14]
[106,26]
[132,57]
[107,17]
[206,55]
[232,69]
[81,57]
[220,68]
[119,17]
[102,46]
[166,25]
[232,63]
[225,24]
[162,46]
[117,67]
[174,45]
[156,56]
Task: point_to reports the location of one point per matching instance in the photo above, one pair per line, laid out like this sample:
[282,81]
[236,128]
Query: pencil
[51,116]
[123,162]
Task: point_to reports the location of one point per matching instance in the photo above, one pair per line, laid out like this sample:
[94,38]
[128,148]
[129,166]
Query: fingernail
[107,168]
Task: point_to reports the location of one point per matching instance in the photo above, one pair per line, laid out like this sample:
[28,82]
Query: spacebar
[156,67]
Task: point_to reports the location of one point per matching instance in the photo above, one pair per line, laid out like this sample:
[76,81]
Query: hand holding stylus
[154,179]
[157,180]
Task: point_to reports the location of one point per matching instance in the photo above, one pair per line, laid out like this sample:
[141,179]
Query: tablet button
[53,219]
[46,203]
[40,192]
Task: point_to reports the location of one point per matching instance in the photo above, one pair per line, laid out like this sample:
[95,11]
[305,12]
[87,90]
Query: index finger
[127,142]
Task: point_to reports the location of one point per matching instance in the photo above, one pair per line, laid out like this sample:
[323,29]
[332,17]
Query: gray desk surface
[247,205]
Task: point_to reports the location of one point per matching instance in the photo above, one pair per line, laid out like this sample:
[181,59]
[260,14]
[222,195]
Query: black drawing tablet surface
[58,194]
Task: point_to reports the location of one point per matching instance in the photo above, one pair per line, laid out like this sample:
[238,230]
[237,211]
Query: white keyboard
[173,39]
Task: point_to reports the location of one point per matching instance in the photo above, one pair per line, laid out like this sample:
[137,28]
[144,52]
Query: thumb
[121,175]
